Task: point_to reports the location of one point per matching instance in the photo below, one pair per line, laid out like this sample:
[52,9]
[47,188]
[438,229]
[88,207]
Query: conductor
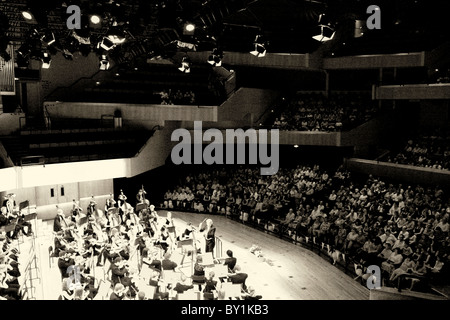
[209,232]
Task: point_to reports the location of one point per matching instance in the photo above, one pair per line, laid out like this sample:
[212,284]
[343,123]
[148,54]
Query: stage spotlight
[260,47]
[48,38]
[95,19]
[27,15]
[104,62]
[46,60]
[260,50]
[106,44]
[360,28]
[326,34]
[185,65]
[215,58]
[189,29]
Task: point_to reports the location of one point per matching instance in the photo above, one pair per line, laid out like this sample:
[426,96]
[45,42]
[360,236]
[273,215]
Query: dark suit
[239,278]
[230,262]
[117,274]
[168,264]
[180,288]
[63,266]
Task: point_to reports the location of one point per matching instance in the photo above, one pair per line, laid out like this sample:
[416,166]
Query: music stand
[186,247]
[207,259]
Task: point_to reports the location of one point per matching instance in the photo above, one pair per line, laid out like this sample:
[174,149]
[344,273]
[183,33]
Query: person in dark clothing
[230,261]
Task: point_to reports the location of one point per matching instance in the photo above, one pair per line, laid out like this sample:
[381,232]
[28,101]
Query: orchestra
[129,240]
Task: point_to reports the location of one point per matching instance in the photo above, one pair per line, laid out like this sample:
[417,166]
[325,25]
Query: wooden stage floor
[286,271]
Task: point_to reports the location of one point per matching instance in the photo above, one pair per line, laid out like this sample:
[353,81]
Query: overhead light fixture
[106,44]
[95,19]
[27,15]
[46,60]
[104,62]
[48,38]
[326,34]
[260,47]
[360,28]
[189,29]
[185,65]
[215,58]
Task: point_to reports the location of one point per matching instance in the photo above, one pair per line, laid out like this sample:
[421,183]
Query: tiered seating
[428,149]
[338,215]
[315,112]
[75,145]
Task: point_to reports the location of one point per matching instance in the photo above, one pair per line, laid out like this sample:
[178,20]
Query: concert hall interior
[224,150]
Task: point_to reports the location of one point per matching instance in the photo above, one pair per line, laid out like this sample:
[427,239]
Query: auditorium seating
[428,148]
[328,205]
[316,112]
[69,145]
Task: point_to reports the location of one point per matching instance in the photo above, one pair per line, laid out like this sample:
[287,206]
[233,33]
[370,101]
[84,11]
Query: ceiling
[287,25]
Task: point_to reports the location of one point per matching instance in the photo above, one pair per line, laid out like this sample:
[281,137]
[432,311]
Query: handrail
[72,85]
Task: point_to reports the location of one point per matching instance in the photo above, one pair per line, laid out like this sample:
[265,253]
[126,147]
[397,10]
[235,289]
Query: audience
[177,97]
[368,220]
[428,149]
[316,112]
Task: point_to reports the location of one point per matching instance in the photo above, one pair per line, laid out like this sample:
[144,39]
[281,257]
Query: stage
[285,271]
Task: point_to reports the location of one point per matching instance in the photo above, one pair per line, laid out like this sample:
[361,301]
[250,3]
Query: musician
[168,264]
[119,271]
[183,285]
[170,226]
[199,269]
[163,239]
[118,293]
[76,209]
[59,243]
[64,262]
[110,202]
[59,222]
[10,202]
[210,286]
[140,196]
[155,281]
[209,232]
[92,207]
[230,261]
[149,258]
[122,199]
[186,233]
[238,277]
[3,217]
[22,225]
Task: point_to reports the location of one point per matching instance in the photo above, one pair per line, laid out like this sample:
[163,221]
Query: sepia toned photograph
[252,151]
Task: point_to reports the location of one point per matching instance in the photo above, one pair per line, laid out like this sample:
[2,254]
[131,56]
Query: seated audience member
[394,261]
